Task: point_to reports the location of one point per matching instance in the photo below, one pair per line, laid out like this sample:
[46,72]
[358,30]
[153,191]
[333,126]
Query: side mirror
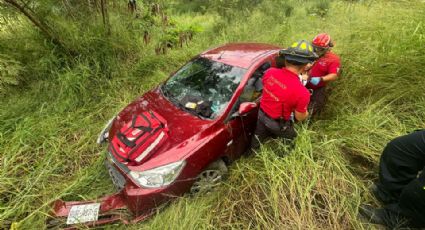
[246,107]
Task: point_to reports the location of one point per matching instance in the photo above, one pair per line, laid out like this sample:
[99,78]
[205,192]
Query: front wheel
[210,178]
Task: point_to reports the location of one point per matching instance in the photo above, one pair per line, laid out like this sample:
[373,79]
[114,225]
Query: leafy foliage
[50,121]
[319,8]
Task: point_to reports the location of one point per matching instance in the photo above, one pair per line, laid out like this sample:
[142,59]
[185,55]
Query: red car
[180,136]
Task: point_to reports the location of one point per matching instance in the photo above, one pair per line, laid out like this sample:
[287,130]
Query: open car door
[242,126]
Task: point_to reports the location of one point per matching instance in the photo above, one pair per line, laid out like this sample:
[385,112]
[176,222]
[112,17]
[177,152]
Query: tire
[209,178]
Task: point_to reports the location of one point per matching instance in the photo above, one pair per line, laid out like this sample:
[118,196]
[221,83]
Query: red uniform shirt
[283,93]
[327,64]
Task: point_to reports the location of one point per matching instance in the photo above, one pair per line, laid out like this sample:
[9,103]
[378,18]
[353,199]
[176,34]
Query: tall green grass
[48,124]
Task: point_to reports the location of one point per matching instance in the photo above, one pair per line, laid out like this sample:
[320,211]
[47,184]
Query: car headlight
[105,132]
[158,177]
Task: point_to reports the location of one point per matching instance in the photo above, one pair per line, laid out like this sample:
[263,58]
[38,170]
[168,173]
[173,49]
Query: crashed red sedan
[178,137]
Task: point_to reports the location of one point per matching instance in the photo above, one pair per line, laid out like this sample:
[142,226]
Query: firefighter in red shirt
[324,70]
[284,95]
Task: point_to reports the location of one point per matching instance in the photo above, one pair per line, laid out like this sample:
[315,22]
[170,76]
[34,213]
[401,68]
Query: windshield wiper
[164,91]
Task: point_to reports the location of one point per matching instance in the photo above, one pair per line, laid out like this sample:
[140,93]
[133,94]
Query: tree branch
[40,25]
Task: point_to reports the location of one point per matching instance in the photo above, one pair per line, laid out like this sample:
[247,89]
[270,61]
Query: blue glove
[315,80]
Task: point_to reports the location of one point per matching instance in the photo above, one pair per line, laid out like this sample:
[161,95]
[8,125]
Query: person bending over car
[401,186]
[284,95]
[324,70]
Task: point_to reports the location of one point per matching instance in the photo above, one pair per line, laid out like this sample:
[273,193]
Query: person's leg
[389,216]
[317,101]
[261,132]
[289,136]
[409,211]
[284,130]
[400,163]
[288,132]
[412,202]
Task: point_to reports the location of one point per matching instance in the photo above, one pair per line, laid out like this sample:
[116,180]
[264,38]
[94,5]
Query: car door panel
[242,127]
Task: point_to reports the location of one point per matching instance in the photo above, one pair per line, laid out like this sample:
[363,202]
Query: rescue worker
[324,70]
[401,185]
[284,94]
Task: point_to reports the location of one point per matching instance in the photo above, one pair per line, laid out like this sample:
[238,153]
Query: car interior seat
[254,85]
[259,73]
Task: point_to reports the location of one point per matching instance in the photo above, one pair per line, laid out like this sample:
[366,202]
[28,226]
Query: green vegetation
[56,96]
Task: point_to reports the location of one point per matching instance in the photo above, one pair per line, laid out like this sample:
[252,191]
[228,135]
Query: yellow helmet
[301,51]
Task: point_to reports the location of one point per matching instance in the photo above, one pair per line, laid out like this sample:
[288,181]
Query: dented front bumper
[128,206]
[112,209]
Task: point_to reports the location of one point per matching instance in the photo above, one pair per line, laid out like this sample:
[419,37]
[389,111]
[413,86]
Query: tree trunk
[40,25]
[105,16]
[68,8]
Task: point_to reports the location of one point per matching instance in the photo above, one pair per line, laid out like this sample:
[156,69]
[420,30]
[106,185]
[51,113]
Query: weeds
[9,72]
[319,8]
[48,124]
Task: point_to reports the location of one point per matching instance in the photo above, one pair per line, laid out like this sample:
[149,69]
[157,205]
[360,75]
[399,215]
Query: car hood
[184,129]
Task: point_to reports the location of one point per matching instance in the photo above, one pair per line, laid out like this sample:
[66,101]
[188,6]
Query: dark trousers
[317,101]
[399,185]
[268,127]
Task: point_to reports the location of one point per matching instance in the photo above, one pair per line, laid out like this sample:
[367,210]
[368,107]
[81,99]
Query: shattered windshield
[203,87]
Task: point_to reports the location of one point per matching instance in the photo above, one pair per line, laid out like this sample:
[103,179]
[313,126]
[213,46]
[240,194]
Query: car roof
[239,54]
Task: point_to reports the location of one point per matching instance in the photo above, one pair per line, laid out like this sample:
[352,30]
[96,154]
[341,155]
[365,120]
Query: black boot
[382,196]
[382,216]
[372,215]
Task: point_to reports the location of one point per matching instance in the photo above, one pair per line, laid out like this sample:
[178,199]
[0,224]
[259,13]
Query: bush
[319,8]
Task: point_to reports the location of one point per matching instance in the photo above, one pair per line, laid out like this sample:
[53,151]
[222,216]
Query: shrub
[319,8]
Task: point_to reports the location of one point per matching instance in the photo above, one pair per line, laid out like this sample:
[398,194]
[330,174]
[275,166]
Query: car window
[204,86]
[254,86]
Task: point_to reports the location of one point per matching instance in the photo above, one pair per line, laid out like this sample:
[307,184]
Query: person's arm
[333,71]
[301,116]
[330,77]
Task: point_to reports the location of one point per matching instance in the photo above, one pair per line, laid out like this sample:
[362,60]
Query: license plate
[83,213]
